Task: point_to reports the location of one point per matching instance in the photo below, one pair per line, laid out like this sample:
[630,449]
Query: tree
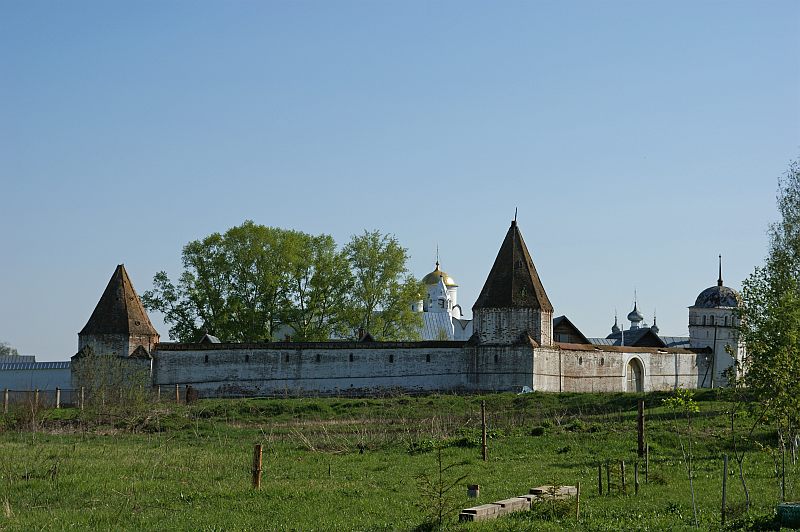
[233,286]
[319,283]
[243,284]
[770,316]
[383,289]
[7,351]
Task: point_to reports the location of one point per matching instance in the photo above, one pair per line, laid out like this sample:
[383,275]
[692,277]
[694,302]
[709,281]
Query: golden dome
[435,275]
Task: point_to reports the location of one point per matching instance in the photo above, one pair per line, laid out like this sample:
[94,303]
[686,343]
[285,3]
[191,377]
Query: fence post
[483,429]
[599,479]
[608,478]
[636,477]
[158,393]
[577,501]
[83,398]
[646,461]
[257,466]
[58,397]
[622,471]
[724,487]
[36,398]
[640,427]
[5,401]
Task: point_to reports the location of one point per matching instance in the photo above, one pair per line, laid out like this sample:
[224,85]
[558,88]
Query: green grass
[353,464]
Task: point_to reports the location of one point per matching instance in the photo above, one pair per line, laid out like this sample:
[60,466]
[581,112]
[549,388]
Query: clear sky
[637,139]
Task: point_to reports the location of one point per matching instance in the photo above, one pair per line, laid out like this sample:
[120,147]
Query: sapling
[683,403]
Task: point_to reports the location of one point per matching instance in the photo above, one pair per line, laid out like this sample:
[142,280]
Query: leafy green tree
[233,285]
[383,288]
[6,350]
[319,284]
[770,314]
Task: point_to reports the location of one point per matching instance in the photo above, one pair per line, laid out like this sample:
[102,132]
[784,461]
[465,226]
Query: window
[427,358]
[726,321]
[247,358]
[287,357]
[319,357]
[351,357]
[580,361]
[496,358]
[711,322]
[602,361]
[391,359]
[704,320]
[206,360]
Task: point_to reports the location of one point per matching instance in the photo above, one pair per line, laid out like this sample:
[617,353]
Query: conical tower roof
[119,310]
[513,281]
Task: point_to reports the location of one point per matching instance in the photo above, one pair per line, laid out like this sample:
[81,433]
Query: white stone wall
[715,328]
[606,371]
[508,325]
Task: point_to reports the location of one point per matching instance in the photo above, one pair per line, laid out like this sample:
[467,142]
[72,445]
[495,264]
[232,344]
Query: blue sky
[637,139]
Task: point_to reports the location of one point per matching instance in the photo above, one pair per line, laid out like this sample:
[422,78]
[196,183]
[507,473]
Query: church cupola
[513,306]
[615,327]
[635,316]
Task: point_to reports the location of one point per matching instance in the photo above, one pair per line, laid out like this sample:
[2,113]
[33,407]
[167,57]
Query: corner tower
[119,324]
[513,307]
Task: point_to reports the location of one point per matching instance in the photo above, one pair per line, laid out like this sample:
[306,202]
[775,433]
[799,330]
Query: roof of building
[119,310]
[436,274]
[641,337]
[33,365]
[437,326]
[718,296]
[563,323]
[513,280]
[16,359]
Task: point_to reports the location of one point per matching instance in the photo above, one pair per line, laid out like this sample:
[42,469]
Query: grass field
[355,464]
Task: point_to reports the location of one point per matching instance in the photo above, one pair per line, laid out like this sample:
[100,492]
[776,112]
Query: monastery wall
[570,368]
[220,370]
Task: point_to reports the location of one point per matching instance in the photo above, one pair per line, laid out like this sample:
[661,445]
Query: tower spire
[719,281]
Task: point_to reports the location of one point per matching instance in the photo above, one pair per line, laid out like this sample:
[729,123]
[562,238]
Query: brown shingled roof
[119,310]
[513,281]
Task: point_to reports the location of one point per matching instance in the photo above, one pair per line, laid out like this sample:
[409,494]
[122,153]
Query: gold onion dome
[435,275]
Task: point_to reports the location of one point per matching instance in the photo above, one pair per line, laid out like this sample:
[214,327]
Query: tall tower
[712,324]
[513,307]
[119,324]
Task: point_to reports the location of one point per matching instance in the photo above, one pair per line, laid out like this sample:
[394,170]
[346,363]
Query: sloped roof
[513,281]
[642,337]
[563,323]
[119,310]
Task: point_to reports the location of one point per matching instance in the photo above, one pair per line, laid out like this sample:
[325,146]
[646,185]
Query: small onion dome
[435,275]
[654,328]
[635,316]
[718,296]
[615,327]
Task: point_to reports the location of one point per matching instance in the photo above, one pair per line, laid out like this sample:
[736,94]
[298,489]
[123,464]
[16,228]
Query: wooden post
[257,466]
[599,479]
[608,478]
[36,398]
[58,397]
[158,393]
[5,401]
[646,461]
[177,393]
[483,429]
[83,396]
[640,426]
[577,501]
[636,478]
[724,487]
[622,474]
